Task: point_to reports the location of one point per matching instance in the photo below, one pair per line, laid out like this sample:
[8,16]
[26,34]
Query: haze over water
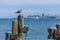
[29,7]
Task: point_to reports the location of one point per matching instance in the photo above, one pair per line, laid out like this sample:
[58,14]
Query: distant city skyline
[9,7]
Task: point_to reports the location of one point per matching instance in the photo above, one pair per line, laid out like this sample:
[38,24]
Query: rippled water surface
[37,28]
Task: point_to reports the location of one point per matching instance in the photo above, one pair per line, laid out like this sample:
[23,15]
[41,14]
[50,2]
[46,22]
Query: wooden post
[20,25]
[14,27]
[51,32]
[8,35]
[21,28]
[58,26]
[58,32]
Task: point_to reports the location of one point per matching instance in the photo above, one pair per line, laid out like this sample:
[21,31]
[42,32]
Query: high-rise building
[43,15]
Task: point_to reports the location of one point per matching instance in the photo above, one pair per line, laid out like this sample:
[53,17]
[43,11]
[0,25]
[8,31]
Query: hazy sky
[9,7]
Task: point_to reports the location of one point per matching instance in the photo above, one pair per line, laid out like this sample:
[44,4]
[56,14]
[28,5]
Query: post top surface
[52,28]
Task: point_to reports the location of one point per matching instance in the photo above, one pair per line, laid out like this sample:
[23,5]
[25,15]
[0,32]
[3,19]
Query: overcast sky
[9,7]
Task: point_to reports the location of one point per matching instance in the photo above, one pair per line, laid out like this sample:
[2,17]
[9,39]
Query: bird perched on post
[19,11]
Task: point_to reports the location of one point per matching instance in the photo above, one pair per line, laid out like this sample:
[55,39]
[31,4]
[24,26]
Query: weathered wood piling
[8,35]
[14,27]
[18,28]
[54,33]
[50,32]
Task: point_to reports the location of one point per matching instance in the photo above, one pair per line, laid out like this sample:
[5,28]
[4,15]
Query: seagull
[19,11]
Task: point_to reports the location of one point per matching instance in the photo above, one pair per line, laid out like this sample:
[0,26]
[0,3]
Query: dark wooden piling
[51,31]
[8,35]
[57,32]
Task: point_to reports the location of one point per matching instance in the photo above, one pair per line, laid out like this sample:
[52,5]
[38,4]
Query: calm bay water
[37,28]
